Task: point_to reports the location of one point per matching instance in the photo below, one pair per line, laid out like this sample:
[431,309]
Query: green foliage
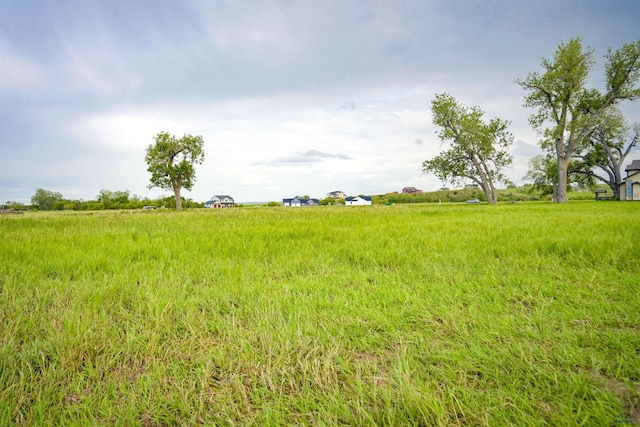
[606,150]
[623,71]
[114,199]
[394,315]
[557,93]
[93,206]
[106,199]
[169,202]
[171,162]
[445,196]
[46,200]
[478,150]
[566,110]
[15,206]
[328,201]
[542,173]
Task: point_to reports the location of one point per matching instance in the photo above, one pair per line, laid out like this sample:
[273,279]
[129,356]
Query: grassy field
[516,314]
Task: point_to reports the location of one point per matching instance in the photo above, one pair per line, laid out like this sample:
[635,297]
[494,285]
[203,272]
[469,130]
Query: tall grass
[418,315]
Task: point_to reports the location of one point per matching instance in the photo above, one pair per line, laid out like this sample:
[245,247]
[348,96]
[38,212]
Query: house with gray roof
[299,202]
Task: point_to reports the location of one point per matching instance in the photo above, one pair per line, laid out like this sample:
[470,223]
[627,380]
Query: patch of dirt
[629,396]
[76,398]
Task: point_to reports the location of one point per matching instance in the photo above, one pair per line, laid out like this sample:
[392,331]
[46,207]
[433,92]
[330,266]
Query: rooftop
[633,166]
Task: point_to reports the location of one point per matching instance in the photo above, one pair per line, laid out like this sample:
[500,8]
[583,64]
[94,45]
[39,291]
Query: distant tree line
[429,197]
[47,200]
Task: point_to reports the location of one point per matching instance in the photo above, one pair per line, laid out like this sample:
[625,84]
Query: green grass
[521,314]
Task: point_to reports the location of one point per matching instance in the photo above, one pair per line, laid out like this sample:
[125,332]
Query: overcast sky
[291,97]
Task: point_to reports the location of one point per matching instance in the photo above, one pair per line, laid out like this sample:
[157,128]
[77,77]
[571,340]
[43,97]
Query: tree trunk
[616,192]
[614,183]
[489,193]
[485,183]
[490,190]
[492,200]
[494,192]
[617,183]
[176,192]
[563,167]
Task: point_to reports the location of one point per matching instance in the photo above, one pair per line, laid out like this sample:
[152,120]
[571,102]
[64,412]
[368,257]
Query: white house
[220,202]
[357,201]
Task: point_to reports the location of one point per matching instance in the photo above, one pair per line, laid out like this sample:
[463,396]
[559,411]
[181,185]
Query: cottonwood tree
[46,200]
[606,150]
[478,150]
[171,162]
[568,111]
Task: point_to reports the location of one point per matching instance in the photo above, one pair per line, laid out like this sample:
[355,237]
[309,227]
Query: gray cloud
[316,153]
[309,156]
[523,149]
[74,62]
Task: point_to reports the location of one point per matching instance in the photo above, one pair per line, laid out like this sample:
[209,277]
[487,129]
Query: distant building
[337,195]
[471,186]
[217,202]
[631,188]
[411,190]
[358,201]
[295,202]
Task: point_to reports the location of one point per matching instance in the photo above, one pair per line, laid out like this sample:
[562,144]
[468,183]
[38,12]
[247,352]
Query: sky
[290,97]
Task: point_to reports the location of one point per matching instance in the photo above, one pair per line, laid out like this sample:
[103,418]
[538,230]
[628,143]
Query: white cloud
[303,157]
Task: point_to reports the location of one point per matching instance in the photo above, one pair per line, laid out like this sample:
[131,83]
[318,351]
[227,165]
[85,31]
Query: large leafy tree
[477,150]
[568,111]
[606,150]
[46,200]
[171,162]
